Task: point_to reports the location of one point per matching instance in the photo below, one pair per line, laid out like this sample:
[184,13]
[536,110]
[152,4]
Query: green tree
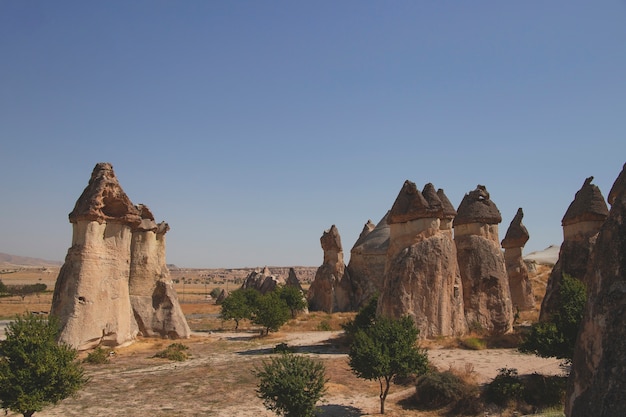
[294,298]
[36,371]
[270,311]
[363,320]
[291,385]
[3,288]
[387,349]
[557,336]
[24,290]
[238,305]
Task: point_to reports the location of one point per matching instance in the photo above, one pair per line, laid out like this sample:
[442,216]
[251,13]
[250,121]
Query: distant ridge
[16,260]
[548,256]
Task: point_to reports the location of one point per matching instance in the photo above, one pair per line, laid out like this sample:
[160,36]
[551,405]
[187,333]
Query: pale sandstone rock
[263,281]
[486,292]
[519,282]
[421,276]
[330,290]
[156,309]
[597,381]
[367,262]
[581,224]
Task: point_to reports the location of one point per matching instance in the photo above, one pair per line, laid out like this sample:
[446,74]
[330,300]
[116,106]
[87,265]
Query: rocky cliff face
[486,293]
[597,381]
[262,281]
[92,293]
[519,283]
[421,276]
[367,262]
[330,290]
[581,224]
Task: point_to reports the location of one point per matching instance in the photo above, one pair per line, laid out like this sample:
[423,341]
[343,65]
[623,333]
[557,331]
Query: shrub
[291,385]
[174,352]
[505,387]
[324,326]
[437,389]
[98,356]
[473,343]
[283,348]
[544,391]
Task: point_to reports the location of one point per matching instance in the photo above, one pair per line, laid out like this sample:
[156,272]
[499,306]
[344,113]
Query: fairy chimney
[91,293]
[519,282]
[486,292]
[597,384]
[421,276]
[581,224]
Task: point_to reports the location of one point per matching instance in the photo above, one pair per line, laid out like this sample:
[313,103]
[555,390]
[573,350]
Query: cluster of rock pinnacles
[114,284]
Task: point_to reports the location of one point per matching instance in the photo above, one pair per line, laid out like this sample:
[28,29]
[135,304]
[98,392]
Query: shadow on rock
[334,410]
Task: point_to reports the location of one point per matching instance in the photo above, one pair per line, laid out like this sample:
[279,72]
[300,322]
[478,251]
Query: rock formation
[581,224]
[293,281]
[367,262]
[486,292]
[92,295]
[330,290]
[597,381]
[519,283]
[153,298]
[421,276]
[262,281]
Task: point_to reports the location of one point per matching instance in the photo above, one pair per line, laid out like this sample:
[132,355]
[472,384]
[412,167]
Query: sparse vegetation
[291,385]
[98,356]
[174,352]
[473,343]
[506,387]
[447,389]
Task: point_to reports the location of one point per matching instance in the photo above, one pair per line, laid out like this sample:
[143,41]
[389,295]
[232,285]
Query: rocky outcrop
[519,282]
[581,224]
[421,276]
[153,299]
[292,279]
[92,293]
[330,290]
[486,293]
[597,380]
[262,281]
[367,262]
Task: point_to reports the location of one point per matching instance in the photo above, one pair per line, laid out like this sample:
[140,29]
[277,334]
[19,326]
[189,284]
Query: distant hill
[548,256]
[15,260]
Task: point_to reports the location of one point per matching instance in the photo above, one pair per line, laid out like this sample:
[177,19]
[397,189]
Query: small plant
[544,391]
[98,356]
[507,386]
[473,343]
[324,326]
[174,352]
[283,348]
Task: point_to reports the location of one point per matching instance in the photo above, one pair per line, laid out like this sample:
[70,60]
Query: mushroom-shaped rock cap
[619,186]
[448,209]
[588,205]
[104,200]
[377,240]
[477,207]
[330,240]
[367,229]
[517,234]
[147,219]
[432,198]
[410,205]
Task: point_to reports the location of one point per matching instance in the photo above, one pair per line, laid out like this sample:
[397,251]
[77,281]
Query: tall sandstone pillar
[519,282]
[486,292]
[581,224]
[597,383]
[421,277]
[91,293]
[154,301]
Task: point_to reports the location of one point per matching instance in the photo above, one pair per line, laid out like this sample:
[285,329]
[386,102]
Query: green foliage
[98,356]
[505,387]
[215,292]
[36,371]
[174,352]
[294,298]
[283,348]
[473,343]
[291,385]
[556,337]
[386,349]
[544,391]
[270,311]
[363,320]
[3,288]
[24,290]
[324,326]
[239,305]
[439,389]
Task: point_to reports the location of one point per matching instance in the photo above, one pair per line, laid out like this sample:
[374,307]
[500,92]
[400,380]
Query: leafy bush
[98,356]
[437,389]
[544,391]
[507,386]
[473,343]
[363,320]
[283,348]
[174,352]
[291,385]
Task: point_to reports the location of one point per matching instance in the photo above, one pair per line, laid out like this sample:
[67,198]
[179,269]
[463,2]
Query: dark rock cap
[432,198]
[517,234]
[377,240]
[448,209]
[588,205]
[104,200]
[477,207]
[331,240]
[410,205]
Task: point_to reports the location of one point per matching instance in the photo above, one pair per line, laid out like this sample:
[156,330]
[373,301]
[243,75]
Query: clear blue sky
[252,126]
